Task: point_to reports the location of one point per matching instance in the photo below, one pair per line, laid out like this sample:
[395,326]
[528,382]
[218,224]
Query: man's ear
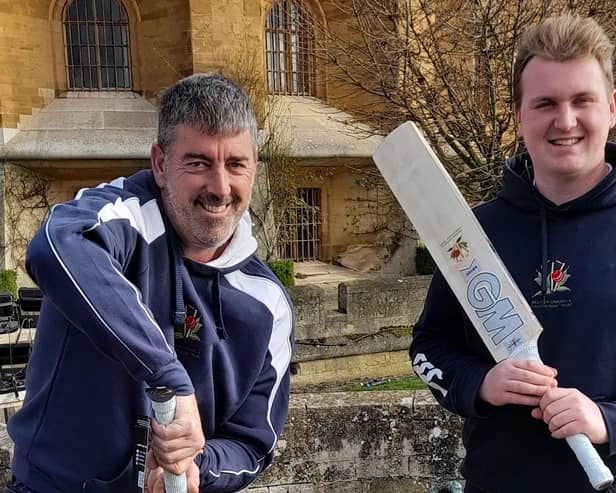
[157,160]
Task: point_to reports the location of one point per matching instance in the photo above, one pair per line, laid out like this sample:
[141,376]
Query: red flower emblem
[558,275]
[458,250]
[190,322]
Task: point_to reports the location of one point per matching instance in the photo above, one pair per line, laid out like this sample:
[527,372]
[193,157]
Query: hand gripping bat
[467,260]
[163,403]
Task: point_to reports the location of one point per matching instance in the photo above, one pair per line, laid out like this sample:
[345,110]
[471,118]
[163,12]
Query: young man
[153,281]
[553,225]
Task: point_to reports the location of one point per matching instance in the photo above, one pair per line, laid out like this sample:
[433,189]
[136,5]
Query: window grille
[302,229]
[97,45]
[289,47]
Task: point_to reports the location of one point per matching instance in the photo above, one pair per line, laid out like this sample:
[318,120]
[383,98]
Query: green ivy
[284,270]
[424,264]
[8,281]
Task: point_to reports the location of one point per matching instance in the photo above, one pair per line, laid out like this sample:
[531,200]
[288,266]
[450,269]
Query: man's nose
[218,182]
[566,118]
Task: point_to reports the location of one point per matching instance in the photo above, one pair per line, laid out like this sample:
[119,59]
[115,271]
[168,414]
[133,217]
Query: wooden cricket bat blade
[457,242]
[464,255]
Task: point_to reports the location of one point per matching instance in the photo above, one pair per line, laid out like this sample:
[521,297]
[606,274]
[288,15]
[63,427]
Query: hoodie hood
[519,190]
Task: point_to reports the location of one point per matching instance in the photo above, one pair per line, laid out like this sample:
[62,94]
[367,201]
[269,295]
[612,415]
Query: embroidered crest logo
[192,324]
[459,250]
[557,278]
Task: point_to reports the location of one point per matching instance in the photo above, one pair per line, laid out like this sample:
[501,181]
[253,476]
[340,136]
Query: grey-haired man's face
[206,184]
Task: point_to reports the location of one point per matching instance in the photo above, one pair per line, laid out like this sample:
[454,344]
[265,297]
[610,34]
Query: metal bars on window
[289,49]
[97,45]
[302,228]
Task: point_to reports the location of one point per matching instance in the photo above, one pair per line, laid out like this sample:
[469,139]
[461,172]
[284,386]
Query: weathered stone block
[6,456]
[383,302]
[384,340]
[366,442]
[302,488]
[309,318]
[350,368]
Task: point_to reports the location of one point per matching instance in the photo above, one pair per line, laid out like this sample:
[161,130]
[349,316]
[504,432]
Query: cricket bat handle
[163,404]
[598,473]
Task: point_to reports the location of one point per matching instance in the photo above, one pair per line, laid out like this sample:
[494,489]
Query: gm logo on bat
[483,293]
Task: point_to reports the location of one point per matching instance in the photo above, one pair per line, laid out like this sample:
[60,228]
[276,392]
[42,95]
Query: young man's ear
[613,109]
[157,160]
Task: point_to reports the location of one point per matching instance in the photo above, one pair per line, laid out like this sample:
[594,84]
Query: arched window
[289,47]
[97,45]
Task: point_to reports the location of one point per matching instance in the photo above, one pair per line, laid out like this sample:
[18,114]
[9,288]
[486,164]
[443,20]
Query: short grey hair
[212,103]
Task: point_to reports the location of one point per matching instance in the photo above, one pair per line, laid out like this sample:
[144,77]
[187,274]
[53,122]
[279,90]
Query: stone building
[78,91]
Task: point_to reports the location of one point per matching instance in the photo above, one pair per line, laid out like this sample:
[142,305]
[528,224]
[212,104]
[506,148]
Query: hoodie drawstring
[221,330]
[544,230]
[179,314]
[544,252]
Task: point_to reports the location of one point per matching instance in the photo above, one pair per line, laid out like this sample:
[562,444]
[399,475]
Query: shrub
[284,271]
[8,282]
[424,264]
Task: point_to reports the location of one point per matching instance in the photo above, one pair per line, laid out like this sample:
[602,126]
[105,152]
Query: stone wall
[161,45]
[363,334]
[26,59]
[364,442]
[361,442]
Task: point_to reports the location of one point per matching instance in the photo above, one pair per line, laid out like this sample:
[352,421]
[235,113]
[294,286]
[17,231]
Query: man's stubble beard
[200,231]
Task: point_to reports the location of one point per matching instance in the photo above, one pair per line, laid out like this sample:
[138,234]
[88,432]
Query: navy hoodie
[563,259]
[124,311]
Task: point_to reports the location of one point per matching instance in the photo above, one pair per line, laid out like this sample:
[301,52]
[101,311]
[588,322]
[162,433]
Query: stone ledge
[364,307]
[365,442]
[360,442]
[337,371]
[385,339]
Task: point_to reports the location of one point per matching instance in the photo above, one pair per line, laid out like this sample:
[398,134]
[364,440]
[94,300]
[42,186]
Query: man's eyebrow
[198,156]
[195,155]
[239,157]
[539,99]
[581,94]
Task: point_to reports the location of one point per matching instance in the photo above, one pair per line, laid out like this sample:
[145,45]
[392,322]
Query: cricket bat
[457,242]
[163,404]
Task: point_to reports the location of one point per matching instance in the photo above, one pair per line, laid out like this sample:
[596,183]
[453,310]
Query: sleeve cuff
[467,401]
[608,409]
[173,376]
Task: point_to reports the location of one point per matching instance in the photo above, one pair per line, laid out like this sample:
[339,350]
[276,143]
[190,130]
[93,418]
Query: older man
[153,281]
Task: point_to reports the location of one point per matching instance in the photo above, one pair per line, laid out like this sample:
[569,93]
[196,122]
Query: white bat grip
[598,473]
[164,412]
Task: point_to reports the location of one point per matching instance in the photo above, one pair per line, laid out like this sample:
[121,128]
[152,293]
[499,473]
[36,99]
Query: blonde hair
[561,39]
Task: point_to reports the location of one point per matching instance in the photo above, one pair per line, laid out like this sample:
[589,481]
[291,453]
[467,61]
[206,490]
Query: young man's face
[206,183]
[565,116]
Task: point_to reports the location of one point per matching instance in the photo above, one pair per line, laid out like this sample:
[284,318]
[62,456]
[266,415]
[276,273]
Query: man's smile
[569,141]
[213,208]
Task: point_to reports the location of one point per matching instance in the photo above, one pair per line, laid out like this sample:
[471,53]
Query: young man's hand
[568,412]
[514,381]
[155,483]
[176,445]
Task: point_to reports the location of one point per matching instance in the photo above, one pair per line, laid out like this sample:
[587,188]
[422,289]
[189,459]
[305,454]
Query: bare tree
[275,187]
[26,195]
[446,65]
